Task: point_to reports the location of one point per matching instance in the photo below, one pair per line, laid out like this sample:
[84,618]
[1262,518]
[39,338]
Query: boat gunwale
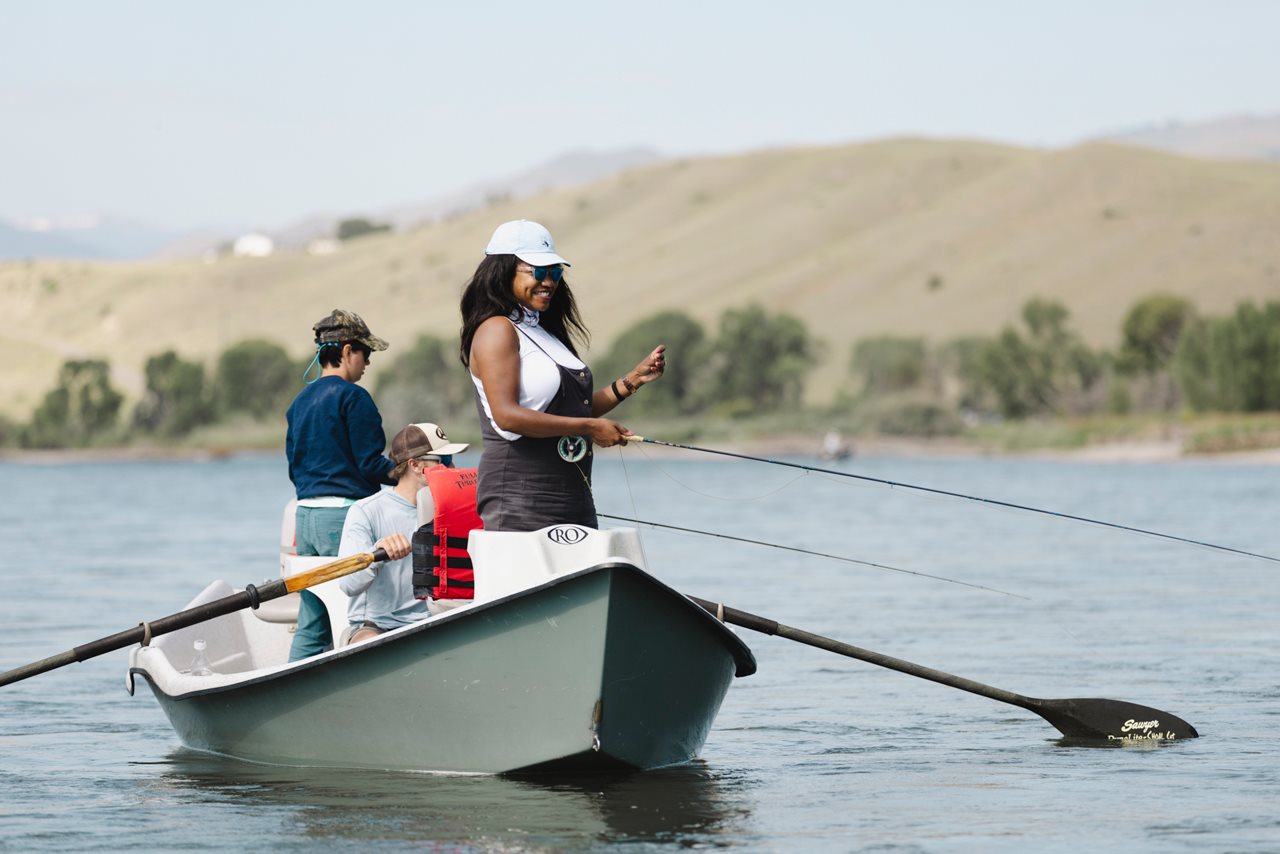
[744,659]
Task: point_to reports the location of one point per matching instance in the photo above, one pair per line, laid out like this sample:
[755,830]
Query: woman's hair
[488,294]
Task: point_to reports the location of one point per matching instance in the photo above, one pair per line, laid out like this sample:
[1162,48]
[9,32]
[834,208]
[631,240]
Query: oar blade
[1113,721]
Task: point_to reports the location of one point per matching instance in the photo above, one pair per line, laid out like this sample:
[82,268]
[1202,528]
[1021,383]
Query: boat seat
[282,610]
[330,593]
[344,639]
[288,532]
[236,662]
[426,506]
[506,562]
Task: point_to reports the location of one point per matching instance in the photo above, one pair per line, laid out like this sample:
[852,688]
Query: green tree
[1232,363]
[759,363]
[257,377]
[1007,366]
[961,358]
[686,348]
[1150,333]
[350,229]
[1259,356]
[426,383]
[82,408]
[1049,369]
[887,364]
[177,397]
[1196,364]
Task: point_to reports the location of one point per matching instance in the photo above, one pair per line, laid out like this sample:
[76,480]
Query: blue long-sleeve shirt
[383,593]
[335,441]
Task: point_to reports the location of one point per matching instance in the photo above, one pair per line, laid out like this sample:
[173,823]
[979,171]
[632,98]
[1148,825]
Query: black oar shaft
[248,598]
[772,627]
[183,619]
[1081,718]
[35,668]
[137,634]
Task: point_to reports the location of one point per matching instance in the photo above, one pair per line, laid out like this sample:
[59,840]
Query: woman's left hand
[650,367]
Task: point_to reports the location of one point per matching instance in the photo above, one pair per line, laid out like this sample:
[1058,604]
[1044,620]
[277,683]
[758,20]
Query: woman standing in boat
[539,414]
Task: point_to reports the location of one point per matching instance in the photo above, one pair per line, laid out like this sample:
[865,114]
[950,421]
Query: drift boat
[572,658]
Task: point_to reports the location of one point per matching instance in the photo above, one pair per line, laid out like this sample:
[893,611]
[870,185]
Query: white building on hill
[253,246]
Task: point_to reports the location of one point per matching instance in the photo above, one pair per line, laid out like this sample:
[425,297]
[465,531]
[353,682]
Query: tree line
[253,378]
[1170,358]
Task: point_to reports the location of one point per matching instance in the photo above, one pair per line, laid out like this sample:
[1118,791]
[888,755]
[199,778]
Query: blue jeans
[318,532]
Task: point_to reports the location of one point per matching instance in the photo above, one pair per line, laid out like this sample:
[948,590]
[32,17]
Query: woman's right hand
[606,432]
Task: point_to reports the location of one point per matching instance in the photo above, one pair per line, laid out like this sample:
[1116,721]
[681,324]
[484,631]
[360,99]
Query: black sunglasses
[445,460]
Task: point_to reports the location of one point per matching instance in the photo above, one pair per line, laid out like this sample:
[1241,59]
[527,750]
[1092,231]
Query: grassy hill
[928,237]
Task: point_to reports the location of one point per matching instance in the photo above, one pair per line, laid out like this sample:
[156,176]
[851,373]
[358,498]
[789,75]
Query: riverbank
[1145,451]
[1252,439]
[795,445]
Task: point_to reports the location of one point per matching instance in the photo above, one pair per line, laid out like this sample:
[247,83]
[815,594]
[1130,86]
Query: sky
[204,114]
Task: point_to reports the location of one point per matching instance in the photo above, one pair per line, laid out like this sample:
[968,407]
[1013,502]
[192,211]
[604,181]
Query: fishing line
[990,501]
[626,477]
[686,486]
[814,554]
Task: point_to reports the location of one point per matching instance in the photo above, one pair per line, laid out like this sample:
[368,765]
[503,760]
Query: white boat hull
[604,667]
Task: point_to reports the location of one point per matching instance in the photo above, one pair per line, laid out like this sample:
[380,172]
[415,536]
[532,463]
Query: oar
[250,597]
[1109,720]
[949,494]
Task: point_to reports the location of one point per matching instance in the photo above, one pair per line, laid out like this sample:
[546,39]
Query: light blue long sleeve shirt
[387,587]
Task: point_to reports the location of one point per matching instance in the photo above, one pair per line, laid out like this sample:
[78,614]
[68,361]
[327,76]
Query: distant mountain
[80,237]
[1232,138]
[18,243]
[933,238]
[96,238]
[567,170]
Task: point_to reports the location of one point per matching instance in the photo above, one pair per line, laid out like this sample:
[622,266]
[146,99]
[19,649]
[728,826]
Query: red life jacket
[441,566]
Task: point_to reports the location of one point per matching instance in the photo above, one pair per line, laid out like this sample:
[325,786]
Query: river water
[814,752]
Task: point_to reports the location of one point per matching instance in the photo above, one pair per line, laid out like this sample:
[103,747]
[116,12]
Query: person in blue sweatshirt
[335,447]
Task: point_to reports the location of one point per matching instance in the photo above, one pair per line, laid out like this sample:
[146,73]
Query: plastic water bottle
[199,661]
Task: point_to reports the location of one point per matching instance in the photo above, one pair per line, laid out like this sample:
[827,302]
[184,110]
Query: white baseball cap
[528,241]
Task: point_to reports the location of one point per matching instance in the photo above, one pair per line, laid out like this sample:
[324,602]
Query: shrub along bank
[749,374]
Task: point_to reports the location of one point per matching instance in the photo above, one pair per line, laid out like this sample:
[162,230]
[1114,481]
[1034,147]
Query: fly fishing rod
[813,553]
[934,491]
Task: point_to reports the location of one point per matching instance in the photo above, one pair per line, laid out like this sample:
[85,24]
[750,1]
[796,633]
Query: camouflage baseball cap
[341,326]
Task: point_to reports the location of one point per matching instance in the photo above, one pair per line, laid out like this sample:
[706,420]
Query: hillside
[1246,137]
[936,238]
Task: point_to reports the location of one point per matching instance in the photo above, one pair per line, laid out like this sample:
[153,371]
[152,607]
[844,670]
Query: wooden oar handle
[330,571]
